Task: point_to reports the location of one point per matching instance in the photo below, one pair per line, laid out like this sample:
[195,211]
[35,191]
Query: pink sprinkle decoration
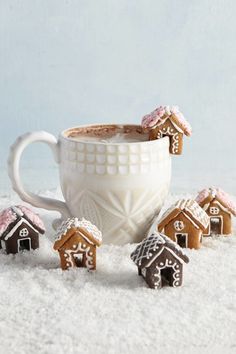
[202,195]
[160,114]
[225,198]
[8,216]
[34,218]
[151,119]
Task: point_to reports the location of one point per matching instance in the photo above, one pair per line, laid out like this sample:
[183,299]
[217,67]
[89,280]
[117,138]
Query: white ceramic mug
[117,186]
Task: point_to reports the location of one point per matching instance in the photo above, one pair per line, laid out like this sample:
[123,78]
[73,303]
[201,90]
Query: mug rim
[149,142]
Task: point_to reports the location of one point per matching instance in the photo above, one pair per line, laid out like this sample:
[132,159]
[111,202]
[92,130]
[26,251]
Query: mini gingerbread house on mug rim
[19,229]
[184,223]
[218,205]
[76,242]
[167,121]
[159,261]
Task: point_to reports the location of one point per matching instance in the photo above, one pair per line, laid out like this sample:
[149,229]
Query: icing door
[182,240]
[167,276]
[215,225]
[24,244]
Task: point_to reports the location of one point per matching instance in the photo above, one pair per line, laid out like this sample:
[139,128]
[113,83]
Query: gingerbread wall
[223,215]
[166,255]
[194,234]
[77,245]
[168,129]
[12,242]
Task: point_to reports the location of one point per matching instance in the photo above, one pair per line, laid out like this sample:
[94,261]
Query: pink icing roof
[219,194]
[33,217]
[159,116]
[9,215]
[6,218]
[202,195]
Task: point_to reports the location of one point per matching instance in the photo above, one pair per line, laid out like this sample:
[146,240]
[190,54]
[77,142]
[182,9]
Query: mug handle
[14,171]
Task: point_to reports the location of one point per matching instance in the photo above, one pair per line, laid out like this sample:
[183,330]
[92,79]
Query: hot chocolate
[108,134]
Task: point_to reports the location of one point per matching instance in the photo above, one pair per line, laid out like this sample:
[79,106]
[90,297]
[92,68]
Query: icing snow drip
[75,222]
[161,114]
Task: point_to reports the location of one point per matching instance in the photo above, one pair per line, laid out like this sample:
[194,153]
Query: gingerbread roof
[207,195]
[153,246]
[191,209]
[68,227]
[10,216]
[161,114]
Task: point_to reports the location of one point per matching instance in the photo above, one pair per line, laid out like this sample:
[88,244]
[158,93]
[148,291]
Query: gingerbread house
[76,242]
[220,208]
[160,261]
[19,229]
[167,121]
[184,223]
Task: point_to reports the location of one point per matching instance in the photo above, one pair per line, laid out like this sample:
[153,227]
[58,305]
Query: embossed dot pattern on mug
[112,159]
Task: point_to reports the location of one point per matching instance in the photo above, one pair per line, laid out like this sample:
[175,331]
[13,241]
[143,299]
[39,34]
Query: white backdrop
[64,63]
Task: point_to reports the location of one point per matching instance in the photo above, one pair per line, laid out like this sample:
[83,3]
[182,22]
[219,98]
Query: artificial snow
[46,310]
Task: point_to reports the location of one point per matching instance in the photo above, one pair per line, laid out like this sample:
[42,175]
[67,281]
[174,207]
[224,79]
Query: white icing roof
[152,246]
[75,222]
[195,210]
[192,207]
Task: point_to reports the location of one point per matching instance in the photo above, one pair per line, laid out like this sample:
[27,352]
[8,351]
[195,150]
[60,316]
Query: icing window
[214,210]
[178,225]
[24,232]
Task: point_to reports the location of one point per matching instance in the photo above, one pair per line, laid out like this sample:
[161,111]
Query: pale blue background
[64,63]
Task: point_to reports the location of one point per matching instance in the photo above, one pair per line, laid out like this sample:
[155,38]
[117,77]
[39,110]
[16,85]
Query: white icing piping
[68,254]
[191,220]
[175,140]
[75,222]
[177,127]
[22,239]
[158,254]
[220,206]
[12,231]
[176,273]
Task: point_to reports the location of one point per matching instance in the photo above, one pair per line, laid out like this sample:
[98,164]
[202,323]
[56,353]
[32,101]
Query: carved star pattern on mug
[123,216]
